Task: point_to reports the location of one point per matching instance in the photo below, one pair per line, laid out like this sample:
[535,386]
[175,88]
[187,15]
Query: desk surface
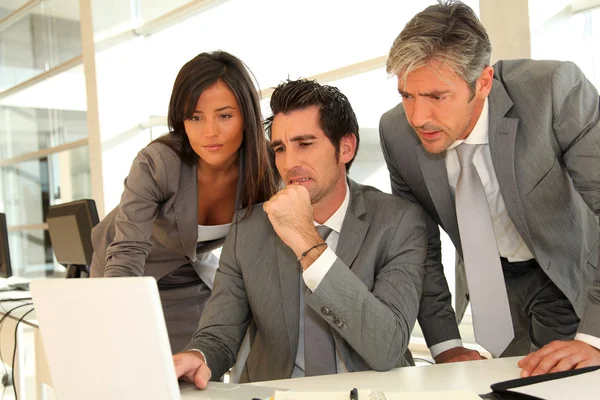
[475,376]
[14,296]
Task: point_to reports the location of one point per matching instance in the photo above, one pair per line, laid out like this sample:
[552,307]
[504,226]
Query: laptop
[107,339]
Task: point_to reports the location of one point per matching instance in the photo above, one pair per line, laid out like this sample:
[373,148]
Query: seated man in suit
[321,302]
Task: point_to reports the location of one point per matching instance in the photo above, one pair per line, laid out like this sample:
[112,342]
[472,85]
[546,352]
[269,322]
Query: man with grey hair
[506,159]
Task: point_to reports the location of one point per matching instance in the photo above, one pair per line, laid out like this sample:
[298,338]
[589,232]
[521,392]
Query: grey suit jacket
[154,229]
[373,287]
[544,133]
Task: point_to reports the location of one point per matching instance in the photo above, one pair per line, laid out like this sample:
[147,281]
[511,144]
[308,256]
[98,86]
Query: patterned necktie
[492,321]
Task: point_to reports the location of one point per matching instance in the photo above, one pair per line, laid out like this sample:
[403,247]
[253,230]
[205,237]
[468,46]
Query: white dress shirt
[319,268]
[510,243]
[313,276]
[206,233]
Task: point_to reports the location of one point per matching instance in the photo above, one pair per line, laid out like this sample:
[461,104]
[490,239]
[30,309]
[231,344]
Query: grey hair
[449,32]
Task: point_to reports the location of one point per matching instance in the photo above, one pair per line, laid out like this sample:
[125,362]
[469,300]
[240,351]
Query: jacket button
[343,326]
[325,310]
[338,323]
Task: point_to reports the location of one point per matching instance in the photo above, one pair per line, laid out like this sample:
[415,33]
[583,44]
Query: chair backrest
[5,265]
[70,229]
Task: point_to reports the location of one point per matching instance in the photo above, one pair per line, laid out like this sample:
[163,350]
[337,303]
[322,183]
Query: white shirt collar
[480,133]
[337,219]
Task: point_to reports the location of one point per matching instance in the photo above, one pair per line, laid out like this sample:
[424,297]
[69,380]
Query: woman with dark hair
[183,189]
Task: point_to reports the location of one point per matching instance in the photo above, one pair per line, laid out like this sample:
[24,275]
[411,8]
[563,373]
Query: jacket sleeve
[576,123]
[227,314]
[144,192]
[436,315]
[377,324]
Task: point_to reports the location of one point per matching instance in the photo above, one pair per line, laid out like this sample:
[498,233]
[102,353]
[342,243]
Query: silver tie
[319,347]
[492,321]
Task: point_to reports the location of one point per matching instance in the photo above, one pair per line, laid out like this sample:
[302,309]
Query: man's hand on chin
[559,355]
[291,215]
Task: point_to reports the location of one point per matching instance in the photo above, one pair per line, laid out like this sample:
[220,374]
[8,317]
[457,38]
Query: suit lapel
[288,269]
[435,175]
[186,209]
[502,135]
[353,230]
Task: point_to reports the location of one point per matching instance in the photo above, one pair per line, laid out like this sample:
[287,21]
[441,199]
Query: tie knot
[465,154]
[324,231]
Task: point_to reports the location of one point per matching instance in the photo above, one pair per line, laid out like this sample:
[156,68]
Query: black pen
[354,394]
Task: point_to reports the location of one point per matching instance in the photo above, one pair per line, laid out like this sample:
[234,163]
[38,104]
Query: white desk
[475,376]
[7,343]
[7,334]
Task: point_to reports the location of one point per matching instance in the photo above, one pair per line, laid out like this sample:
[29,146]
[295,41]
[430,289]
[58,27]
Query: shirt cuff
[203,356]
[589,339]
[314,274]
[439,348]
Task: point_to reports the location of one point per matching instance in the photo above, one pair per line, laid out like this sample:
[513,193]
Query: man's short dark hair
[336,116]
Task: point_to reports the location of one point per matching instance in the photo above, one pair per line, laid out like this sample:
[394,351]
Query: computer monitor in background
[70,229]
[5,267]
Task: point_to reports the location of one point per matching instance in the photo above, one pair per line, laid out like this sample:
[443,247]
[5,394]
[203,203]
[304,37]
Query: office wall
[507,24]
[43,127]
[140,46]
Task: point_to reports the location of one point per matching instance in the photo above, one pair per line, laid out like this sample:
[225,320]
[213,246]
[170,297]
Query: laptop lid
[105,338]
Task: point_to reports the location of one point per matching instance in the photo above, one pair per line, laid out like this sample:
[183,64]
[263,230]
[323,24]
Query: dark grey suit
[373,288]
[544,137]
[154,232]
